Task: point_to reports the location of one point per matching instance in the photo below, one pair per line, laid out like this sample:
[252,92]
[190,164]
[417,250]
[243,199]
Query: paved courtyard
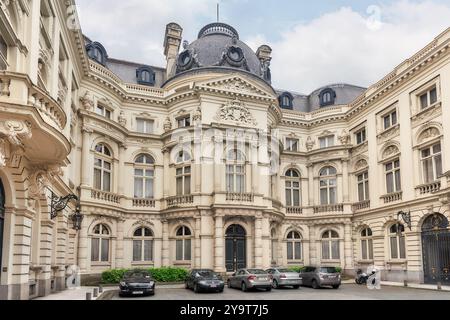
[346,292]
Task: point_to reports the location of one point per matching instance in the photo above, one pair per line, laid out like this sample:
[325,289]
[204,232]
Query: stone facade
[165,172]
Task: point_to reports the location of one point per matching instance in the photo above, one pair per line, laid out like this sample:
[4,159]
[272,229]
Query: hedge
[159,274]
[300,269]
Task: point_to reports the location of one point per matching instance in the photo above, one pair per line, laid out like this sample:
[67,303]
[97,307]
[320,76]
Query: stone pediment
[236,85]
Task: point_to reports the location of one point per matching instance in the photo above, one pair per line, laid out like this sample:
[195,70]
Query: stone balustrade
[392,197]
[294,210]
[105,196]
[143,203]
[362,205]
[240,197]
[429,188]
[179,201]
[329,208]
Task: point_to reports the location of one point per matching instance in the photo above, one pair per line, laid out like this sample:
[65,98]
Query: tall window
[361,136]
[183,174]
[102,168]
[393,178]
[100,244]
[292,188]
[3,54]
[390,120]
[330,245]
[431,163]
[366,244]
[428,98]
[144,177]
[104,112]
[294,246]
[235,171]
[143,245]
[291,145]
[328,186]
[363,186]
[326,142]
[183,244]
[145,126]
[397,241]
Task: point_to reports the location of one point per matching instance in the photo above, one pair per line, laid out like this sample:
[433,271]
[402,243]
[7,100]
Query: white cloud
[343,46]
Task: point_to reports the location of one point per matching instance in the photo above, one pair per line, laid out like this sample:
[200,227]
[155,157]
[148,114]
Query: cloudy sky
[314,43]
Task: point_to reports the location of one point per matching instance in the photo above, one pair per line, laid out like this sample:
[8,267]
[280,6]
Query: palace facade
[203,163]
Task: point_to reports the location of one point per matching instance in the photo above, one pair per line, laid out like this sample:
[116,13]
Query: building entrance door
[235,248]
[436,249]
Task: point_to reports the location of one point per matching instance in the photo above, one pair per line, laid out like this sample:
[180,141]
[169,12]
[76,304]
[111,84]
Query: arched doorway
[436,249]
[235,248]
[2,219]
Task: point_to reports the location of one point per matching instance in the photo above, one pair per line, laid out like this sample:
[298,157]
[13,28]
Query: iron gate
[436,249]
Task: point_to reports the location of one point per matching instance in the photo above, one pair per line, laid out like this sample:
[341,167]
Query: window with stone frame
[102,168]
[428,98]
[328,186]
[330,245]
[367,244]
[3,54]
[103,111]
[293,183]
[235,171]
[184,122]
[431,160]
[397,242]
[145,126]
[183,174]
[361,136]
[100,243]
[183,244]
[363,186]
[144,177]
[390,119]
[393,176]
[327,142]
[292,145]
[143,245]
[294,246]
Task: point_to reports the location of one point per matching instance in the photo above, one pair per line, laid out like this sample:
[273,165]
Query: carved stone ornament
[390,151]
[429,134]
[310,144]
[197,116]
[2,153]
[361,164]
[15,131]
[41,178]
[122,119]
[344,138]
[236,111]
[87,101]
[167,125]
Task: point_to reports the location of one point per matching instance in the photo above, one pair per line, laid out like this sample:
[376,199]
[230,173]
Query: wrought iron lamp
[60,203]
[406,217]
[77,218]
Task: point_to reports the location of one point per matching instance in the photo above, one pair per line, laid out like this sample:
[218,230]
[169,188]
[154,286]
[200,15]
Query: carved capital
[15,131]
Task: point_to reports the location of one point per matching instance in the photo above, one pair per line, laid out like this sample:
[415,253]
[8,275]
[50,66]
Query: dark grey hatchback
[318,277]
[137,282]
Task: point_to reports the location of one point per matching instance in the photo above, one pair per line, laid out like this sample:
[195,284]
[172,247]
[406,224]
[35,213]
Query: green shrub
[166,274]
[339,269]
[297,269]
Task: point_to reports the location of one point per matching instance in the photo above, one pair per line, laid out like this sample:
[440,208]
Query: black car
[137,282]
[204,280]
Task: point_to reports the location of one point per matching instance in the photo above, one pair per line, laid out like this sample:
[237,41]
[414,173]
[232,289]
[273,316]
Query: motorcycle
[362,278]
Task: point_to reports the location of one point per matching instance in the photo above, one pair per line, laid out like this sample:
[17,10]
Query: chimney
[172,42]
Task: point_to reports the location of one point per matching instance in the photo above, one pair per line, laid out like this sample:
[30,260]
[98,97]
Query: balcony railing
[392,197]
[144,203]
[361,205]
[105,196]
[294,210]
[179,200]
[240,197]
[429,188]
[329,208]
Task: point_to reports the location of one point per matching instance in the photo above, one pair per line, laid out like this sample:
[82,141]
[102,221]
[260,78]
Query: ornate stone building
[202,163]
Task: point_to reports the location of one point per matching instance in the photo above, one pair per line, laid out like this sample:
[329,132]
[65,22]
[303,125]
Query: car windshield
[328,270]
[207,274]
[137,274]
[256,271]
[284,270]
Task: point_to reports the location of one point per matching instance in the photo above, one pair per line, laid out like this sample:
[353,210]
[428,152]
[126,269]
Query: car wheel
[244,287]
[268,289]
[196,289]
[296,287]
[275,284]
[336,287]
[229,284]
[315,285]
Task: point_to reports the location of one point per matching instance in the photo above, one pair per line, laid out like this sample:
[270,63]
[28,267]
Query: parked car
[247,279]
[204,280]
[137,282]
[282,277]
[318,277]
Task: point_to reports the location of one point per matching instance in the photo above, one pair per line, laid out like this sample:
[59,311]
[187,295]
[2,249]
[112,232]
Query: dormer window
[286,101]
[327,97]
[97,52]
[146,76]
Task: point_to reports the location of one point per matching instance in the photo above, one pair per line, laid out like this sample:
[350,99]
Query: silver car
[247,279]
[318,277]
[282,277]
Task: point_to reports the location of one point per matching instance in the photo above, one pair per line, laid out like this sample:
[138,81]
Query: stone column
[310,185]
[120,245]
[348,247]
[45,254]
[345,179]
[166,154]
[207,241]
[313,253]
[83,243]
[197,244]
[122,179]
[165,244]
[86,168]
[219,247]
[258,242]
[61,252]
[266,238]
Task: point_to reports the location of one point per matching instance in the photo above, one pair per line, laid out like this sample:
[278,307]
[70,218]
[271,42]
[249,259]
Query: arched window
[143,245]
[328,186]
[286,101]
[183,244]
[366,244]
[102,168]
[145,76]
[97,52]
[100,243]
[294,246]
[397,241]
[183,173]
[292,188]
[144,177]
[235,171]
[327,97]
[330,245]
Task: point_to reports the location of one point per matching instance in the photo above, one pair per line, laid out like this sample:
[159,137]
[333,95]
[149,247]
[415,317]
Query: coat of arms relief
[236,112]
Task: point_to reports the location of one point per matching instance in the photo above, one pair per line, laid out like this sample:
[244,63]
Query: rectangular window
[105,250]
[428,98]
[104,112]
[145,126]
[361,136]
[137,250]
[290,251]
[394,248]
[298,251]
[393,178]
[95,246]
[326,142]
[292,145]
[363,186]
[184,122]
[364,249]
[335,250]
[148,250]
[325,250]
[3,54]
[390,120]
[432,163]
[179,250]
[187,249]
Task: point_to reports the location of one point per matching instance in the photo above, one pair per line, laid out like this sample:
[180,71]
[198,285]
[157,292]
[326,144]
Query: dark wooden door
[235,248]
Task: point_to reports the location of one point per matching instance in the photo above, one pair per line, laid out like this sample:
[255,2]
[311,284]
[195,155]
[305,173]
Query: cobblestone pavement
[346,292]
